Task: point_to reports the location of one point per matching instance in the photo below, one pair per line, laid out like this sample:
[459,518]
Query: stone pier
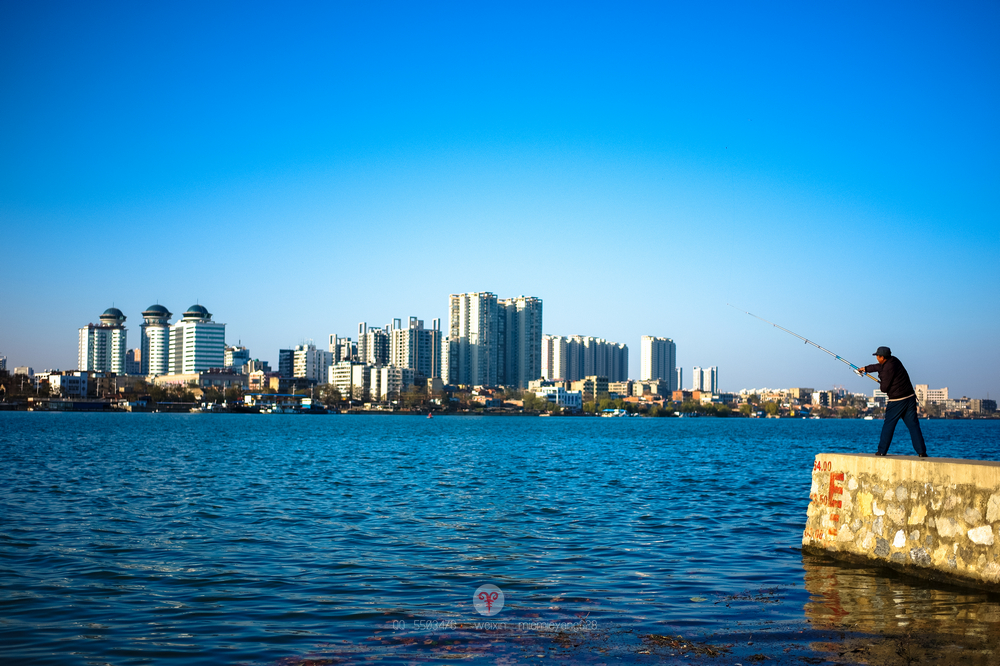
[936,518]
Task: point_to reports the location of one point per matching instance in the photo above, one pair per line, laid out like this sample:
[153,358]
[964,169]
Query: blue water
[160,538]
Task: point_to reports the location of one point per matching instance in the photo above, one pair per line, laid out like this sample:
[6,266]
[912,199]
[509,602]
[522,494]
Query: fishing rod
[810,342]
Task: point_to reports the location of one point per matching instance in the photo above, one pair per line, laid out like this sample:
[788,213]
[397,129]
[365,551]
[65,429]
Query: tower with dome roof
[155,347]
[196,342]
[103,345]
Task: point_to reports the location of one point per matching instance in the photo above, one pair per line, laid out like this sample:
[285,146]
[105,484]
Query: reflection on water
[912,620]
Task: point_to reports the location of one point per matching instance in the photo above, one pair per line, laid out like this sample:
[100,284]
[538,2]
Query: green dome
[197,312]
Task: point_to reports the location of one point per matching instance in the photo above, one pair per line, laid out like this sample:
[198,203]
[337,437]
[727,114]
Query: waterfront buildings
[492,341]
[658,360]
[705,379]
[196,342]
[154,345]
[102,346]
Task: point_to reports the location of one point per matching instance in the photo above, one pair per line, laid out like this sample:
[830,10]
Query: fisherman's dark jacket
[893,380]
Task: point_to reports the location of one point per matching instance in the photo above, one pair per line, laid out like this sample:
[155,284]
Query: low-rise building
[983,406]
[69,384]
[571,400]
[928,396]
[621,389]
[660,387]
[594,388]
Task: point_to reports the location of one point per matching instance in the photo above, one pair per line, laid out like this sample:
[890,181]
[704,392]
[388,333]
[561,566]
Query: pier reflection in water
[906,620]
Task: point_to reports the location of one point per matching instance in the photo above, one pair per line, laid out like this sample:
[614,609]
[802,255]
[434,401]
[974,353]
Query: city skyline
[635,168]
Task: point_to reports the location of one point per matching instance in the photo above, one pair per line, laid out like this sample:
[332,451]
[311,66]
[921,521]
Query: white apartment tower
[554,358]
[705,379]
[373,345]
[155,341]
[102,346]
[473,340]
[416,347]
[521,343]
[311,363]
[196,342]
[658,360]
[343,349]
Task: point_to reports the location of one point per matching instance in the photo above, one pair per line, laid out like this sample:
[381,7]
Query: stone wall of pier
[938,518]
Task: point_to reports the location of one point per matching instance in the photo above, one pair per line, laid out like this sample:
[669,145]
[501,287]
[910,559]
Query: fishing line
[809,342]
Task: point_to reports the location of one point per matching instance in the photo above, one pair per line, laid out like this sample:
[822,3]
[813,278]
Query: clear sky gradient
[298,169]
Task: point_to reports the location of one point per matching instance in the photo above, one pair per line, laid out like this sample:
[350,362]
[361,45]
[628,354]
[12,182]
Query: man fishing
[901,403]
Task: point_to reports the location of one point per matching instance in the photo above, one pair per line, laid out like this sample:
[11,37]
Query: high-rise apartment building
[373,345]
[155,342]
[473,340]
[311,363]
[103,346]
[196,342]
[705,379]
[343,349]
[416,347]
[658,360]
[554,358]
[286,360]
[520,337]
[3,362]
[492,342]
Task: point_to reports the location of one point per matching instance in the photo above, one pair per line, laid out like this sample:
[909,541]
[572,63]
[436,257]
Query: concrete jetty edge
[935,518]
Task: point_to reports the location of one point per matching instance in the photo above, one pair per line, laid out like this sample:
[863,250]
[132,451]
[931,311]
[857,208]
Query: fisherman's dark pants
[905,409]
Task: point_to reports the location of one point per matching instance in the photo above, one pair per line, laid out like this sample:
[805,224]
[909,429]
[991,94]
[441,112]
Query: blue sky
[301,168]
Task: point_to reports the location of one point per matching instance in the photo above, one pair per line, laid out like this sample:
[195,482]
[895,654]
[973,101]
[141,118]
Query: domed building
[103,346]
[196,342]
[155,347]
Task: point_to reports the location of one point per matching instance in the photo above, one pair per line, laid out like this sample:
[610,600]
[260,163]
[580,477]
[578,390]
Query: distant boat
[429,415]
